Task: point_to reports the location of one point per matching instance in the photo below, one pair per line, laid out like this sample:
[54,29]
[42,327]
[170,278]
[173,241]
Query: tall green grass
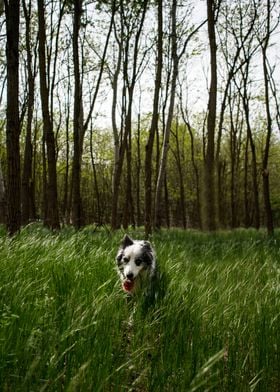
[65,324]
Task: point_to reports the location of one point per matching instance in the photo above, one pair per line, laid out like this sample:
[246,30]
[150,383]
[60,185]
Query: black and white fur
[136,262]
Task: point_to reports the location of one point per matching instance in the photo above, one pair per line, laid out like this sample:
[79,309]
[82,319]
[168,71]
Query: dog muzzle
[128,285]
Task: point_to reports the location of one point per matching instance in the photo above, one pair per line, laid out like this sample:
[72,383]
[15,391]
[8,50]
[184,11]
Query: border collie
[136,263]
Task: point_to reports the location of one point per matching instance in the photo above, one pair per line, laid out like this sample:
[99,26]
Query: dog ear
[147,246]
[148,253]
[126,241]
[148,257]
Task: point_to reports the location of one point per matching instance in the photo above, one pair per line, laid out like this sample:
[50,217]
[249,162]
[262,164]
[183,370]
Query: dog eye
[125,260]
[138,262]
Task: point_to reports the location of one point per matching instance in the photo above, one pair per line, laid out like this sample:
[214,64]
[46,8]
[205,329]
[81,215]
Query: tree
[128,95]
[176,55]
[66,198]
[235,136]
[154,124]
[2,198]
[117,165]
[236,29]
[265,170]
[209,214]
[80,127]
[186,121]
[246,107]
[13,124]
[27,185]
[77,209]
[132,21]
[179,159]
[165,147]
[52,217]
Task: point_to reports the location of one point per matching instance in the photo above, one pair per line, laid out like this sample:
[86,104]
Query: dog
[136,263]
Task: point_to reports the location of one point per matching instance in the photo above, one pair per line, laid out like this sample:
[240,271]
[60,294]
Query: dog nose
[129,276]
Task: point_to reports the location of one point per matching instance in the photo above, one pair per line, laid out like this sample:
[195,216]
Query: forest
[140,113]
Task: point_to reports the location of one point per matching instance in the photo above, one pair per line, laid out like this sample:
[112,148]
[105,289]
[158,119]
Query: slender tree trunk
[265,169]
[233,171]
[209,165]
[178,160]
[95,183]
[219,139]
[117,146]
[115,192]
[138,174]
[127,112]
[13,124]
[165,147]
[122,143]
[52,219]
[194,165]
[154,126]
[166,203]
[246,196]
[33,206]
[65,206]
[129,208]
[197,187]
[254,161]
[222,179]
[26,197]
[77,208]
[3,206]
[44,199]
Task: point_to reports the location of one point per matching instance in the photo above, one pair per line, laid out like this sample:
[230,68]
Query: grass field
[65,324]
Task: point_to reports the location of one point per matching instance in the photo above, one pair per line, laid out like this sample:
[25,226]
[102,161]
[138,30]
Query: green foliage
[65,324]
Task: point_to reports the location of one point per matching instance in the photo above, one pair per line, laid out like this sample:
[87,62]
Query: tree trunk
[13,125]
[254,160]
[267,204]
[129,205]
[138,174]
[209,214]
[52,219]
[233,169]
[95,182]
[246,197]
[117,144]
[77,208]
[127,112]
[122,143]
[166,203]
[178,160]
[26,185]
[194,165]
[66,204]
[33,207]
[154,127]
[3,206]
[165,147]
[265,169]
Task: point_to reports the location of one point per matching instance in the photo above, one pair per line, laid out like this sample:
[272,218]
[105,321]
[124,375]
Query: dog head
[135,261]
